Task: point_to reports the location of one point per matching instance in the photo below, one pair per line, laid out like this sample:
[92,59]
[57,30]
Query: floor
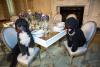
[57,56]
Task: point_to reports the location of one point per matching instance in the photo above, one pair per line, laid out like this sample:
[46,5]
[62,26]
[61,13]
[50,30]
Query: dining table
[49,39]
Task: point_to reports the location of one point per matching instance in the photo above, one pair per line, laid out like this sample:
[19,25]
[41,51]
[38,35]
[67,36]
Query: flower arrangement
[40,17]
[34,16]
[36,20]
[41,20]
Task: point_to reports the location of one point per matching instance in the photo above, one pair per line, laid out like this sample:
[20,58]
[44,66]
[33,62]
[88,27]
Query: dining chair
[89,30]
[71,15]
[9,38]
[57,18]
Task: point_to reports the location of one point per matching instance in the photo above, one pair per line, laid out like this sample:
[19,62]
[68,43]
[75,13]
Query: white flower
[24,38]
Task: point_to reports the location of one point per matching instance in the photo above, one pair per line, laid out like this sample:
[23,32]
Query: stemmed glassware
[45,27]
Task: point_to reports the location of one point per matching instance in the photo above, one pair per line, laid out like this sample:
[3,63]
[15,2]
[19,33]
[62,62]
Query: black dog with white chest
[75,35]
[25,39]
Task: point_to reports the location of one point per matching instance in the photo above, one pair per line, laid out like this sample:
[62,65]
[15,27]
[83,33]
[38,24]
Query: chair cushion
[33,53]
[79,51]
[57,17]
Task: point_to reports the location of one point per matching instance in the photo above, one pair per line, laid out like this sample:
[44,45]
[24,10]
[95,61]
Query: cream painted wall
[4,14]
[1,13]
[95,14]
[42,6]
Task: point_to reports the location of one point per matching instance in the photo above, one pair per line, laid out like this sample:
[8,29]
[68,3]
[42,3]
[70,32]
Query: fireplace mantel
[70,3]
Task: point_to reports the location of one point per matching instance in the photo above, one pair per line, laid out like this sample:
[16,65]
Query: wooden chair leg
[39,58]
[3,49]
[71,60]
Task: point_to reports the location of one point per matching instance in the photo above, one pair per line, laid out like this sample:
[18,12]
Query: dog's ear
[72,23]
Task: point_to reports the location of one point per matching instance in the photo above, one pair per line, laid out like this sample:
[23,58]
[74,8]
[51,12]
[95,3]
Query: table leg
[49,59]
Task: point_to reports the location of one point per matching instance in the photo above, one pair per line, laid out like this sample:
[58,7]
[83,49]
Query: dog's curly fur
[75,35]
[22,24]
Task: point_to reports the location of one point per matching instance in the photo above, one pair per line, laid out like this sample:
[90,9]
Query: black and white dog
[25,39]
[75,35]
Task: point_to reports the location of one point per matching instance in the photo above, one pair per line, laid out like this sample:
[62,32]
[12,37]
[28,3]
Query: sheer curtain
[10,7]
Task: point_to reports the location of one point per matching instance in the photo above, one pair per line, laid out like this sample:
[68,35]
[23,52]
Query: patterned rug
[57,56]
